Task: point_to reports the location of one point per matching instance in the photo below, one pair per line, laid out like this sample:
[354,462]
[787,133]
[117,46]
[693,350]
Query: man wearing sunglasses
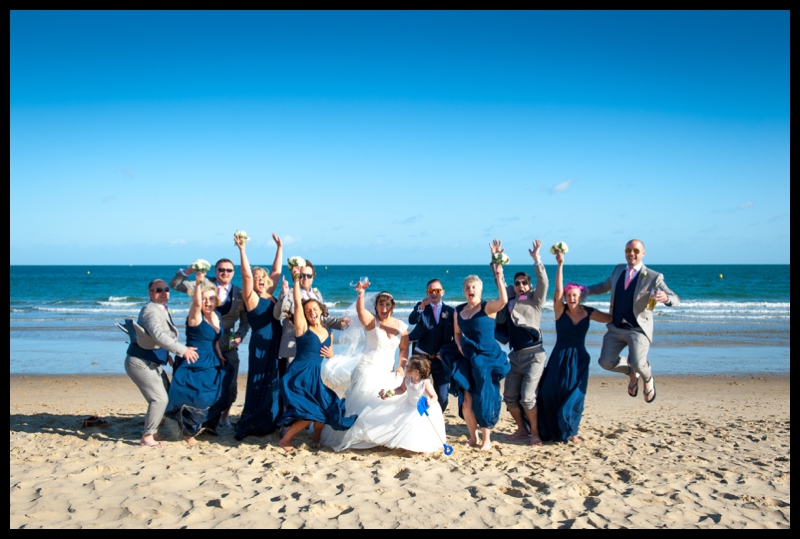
[519,326]
[231,310]
[284,310]
[632,285]
[153,337]
[434,328]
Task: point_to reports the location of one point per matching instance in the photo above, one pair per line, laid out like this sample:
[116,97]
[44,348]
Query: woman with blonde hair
[476,362]
[198,392]
[262,397]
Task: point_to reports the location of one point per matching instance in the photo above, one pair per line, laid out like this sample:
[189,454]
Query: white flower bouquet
[296,261]
[242,235]
[501,259]
[559,247]
[201,265]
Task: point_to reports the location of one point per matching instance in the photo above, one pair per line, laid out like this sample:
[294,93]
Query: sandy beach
[711,452]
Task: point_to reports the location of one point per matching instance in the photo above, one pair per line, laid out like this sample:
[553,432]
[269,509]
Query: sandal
[651,392]
[633,389]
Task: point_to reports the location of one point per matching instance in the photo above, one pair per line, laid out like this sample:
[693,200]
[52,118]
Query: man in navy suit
[434,329]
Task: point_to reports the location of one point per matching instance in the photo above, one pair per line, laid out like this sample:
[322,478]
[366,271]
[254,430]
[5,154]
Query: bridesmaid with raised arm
[476,363]
[198,392]
[563,387]
[307,399]
[261,403]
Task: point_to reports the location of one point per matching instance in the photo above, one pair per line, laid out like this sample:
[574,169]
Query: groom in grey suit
[231,309]
[153,337]
[632,286]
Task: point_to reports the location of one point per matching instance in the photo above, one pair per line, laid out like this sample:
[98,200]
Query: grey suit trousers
[615,340]
[521,386]
[148,378]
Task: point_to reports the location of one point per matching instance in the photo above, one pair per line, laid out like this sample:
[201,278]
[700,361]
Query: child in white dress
[410,430]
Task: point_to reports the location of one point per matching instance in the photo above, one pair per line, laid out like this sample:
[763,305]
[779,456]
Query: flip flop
[651,392]
[633,390]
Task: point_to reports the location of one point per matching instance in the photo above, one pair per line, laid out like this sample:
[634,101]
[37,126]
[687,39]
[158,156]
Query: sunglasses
[434,291]
[306,275]
[520,283]
[159,289]
[628,251]
[225,270]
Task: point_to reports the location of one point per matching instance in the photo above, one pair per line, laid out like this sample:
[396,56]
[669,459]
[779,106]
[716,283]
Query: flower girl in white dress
[411,430]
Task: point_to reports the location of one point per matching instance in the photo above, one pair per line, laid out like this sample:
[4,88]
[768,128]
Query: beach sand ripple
[712,452]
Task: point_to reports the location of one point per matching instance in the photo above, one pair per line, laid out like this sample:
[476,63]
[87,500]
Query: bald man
[632,285]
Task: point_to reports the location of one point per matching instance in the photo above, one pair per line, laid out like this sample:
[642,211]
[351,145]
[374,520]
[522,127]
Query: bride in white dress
[373,372]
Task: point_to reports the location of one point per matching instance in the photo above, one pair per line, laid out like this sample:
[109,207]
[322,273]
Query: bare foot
[518,435]
[159,437]
[486,446]
[191,440]
[286,446]
[536,441]
[471,443]
[149,441]
[576,439]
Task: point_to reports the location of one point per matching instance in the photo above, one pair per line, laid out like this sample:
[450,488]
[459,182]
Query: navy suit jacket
[424,334]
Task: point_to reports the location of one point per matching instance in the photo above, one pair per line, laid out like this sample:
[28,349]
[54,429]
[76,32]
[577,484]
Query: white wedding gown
[394,422]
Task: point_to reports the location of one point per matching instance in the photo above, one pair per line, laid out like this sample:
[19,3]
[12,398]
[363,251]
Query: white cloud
[288,240]
[179,242]
[561,187]
[748,204]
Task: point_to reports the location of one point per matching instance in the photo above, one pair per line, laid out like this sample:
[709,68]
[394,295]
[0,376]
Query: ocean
[733,319]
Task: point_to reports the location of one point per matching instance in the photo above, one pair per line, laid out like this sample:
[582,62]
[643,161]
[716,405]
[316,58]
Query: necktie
[436,312]
[222,293]
[628,277]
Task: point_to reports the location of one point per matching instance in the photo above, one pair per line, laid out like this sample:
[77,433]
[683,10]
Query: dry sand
[711,452]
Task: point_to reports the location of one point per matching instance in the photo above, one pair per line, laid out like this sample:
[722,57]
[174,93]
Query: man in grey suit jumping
[632,286]
[152,339]
[231,309]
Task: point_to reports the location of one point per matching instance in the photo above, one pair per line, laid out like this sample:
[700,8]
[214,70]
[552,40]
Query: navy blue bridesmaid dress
[306,397]
[481,368]
[199,391]
[563,386]
[261,402]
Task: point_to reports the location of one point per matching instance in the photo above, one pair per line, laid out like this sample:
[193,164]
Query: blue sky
[398,138]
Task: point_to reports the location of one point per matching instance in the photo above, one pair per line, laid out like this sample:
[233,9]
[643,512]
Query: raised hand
[284,287]
[560,258]
[496,246]
[537,244]
[277,240]
[424,303]
[200,276]
[240,242]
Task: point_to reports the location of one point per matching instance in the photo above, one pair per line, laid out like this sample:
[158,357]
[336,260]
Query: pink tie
[628,277]
[222,292]
[436,313]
